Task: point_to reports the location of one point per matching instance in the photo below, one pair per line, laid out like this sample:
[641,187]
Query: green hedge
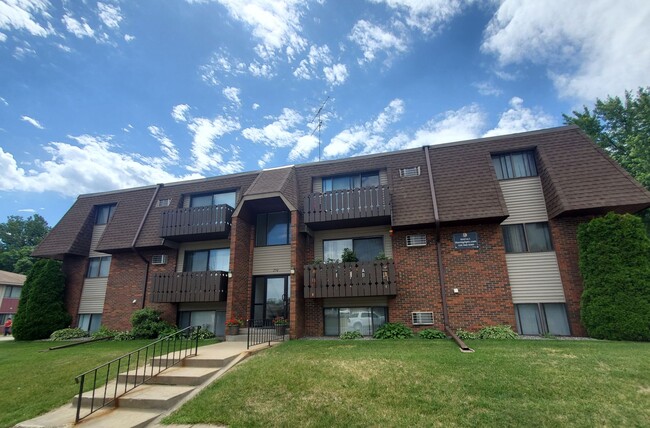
[615,266]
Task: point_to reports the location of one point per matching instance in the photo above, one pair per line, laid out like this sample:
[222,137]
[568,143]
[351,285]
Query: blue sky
[99,96]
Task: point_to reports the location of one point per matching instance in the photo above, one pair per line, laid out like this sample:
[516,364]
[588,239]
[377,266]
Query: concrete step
[198,361]
[172,376]
[154,396]
[120,417]
[238,338]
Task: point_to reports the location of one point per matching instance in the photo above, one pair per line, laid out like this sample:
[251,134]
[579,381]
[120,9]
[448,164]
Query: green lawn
[34,382]
[430,383]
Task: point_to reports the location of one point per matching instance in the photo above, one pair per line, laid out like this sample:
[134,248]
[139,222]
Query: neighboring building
[499,213]
[11,284]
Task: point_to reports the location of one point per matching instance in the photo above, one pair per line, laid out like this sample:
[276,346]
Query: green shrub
[496,332]
[41,311]
[353,334]
[432,333]
[123,335]
[147,324]
[349,256]
[170,329]
[615,267]
[103,332]
[465,335]
[202,334]
[68,333]
[393,330]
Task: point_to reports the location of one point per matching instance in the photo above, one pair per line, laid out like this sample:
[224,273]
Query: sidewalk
[229,353]
[6,338]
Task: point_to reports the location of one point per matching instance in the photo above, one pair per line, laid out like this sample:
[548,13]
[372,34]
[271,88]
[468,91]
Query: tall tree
[18,232]
[622,128]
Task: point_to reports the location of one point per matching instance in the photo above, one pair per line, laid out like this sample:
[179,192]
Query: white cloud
[110,15]
[3,37]
[520,119]
[221,64]
[372,39]
[21,52]
[179,112]
[368,137]
[89,164]
[207,155]
[281,132]
[166,146]
[590,49]
[32,122]
[487,88]
[3,101]
[266,158]
[80,29]
[303,147]
[128,38]
[275,23]
[255,106]
[260,70]
[336,74]
[308,66]
[232,94]
[27,210]
[24,15]
[426,15]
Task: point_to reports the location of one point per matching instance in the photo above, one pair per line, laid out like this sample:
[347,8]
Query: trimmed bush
[496,332]
[41,311]
[350,335]
[103,332]
[393,330]
[68,333]
[147,324]
[465,335]
[123,335]
[202,334]
[432,333]
[615,266]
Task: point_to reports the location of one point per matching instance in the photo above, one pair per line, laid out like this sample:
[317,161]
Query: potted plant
[280,324]
[233,325]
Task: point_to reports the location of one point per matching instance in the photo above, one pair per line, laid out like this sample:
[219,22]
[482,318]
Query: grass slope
[430,383]
[34,382]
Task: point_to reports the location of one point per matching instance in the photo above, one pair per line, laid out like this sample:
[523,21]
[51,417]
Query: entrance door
[271,297]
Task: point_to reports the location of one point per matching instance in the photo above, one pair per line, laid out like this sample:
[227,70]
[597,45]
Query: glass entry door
[271,297]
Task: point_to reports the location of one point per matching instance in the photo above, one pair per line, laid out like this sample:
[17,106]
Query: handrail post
[80,396]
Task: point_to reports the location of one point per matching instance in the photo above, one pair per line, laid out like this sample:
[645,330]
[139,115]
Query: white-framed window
[89,322]
[515,165]
[207,260]
[12,292]
[365,320]
[98,267]
[366,249]
[527,238]
[103,213]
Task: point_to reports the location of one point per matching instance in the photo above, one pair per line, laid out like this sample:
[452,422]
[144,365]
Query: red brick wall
[298,260]
[241,259]
[74,269]
[565,241]
[481,277]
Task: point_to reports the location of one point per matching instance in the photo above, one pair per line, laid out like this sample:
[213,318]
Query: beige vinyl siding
[525,200]
[355,232]
[92,296]
[272,260]
[193,246]
[98,231]
[535,277]
[351,302]
[317,183]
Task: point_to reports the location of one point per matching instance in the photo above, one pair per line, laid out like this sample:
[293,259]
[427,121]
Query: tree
[18,232]
[615,266]
[41,310]
[622,129]
[18,237]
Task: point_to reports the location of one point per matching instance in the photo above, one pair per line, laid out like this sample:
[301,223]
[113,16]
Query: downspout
[441,270]
[135,239]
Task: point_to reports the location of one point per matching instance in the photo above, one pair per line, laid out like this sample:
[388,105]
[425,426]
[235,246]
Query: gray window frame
[525,234]
[100,209]
[101,263]
[504,166]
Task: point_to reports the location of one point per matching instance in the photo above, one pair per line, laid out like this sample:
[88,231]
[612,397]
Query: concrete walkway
[149,403]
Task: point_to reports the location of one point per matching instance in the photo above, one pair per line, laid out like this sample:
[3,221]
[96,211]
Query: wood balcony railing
[179,287]
[210,222]
[376,278]
[362,203]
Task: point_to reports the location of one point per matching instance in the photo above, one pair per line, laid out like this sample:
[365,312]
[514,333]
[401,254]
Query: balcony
[196,224]
[180,287]
[353,207]
[358,279]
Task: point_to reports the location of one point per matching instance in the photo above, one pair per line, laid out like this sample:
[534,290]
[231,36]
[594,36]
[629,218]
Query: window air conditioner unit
[163,202]
[409,172]
[422,318]
[416,240]
[159,259]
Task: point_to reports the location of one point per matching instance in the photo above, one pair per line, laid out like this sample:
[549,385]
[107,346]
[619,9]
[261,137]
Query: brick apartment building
[467,234]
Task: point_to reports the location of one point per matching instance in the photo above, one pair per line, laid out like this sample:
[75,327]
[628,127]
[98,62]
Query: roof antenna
[319,124]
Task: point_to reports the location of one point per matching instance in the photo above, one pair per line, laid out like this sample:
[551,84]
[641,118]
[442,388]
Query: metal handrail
[262,331]
[185,336]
